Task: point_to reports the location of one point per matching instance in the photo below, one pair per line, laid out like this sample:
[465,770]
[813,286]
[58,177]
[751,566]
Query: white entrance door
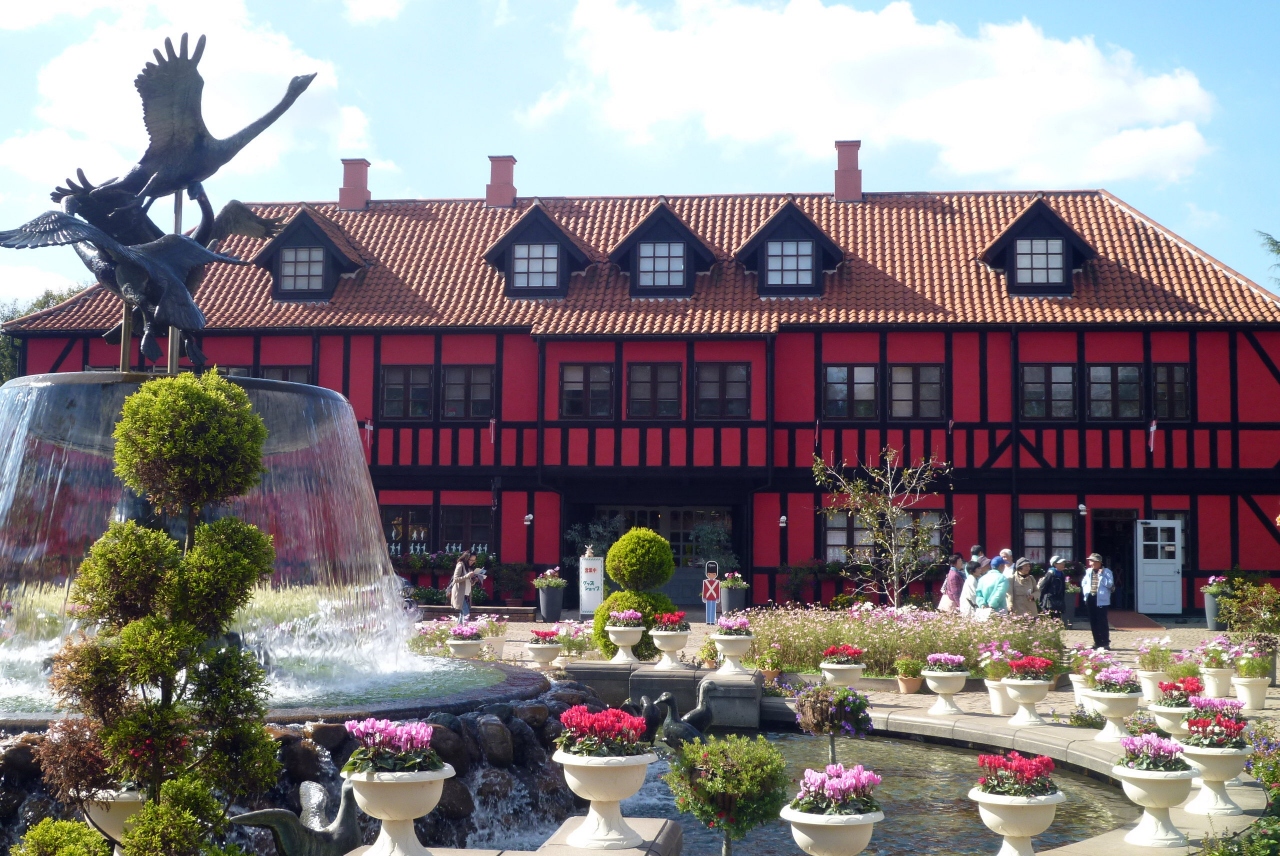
[1158,566]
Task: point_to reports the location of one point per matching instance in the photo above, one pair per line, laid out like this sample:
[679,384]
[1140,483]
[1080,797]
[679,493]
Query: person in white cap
[1097,585]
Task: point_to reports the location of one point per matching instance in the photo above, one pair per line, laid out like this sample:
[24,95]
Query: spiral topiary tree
[641,559]
[167,703]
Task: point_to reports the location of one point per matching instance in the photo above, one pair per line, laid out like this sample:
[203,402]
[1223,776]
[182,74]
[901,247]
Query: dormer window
[535,266]
[302,269]
[661,256]
[790,263]
[309,257]
[1038,253]
[789,254]
[661,264]
[536,256]
[1040,261]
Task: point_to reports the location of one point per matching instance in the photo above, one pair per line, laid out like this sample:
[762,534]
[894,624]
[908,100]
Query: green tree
[1272,246]
[18,308]
[711,543]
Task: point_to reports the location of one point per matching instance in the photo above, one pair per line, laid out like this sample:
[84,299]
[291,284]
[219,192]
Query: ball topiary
[647,603]
[52,837]
[640,560]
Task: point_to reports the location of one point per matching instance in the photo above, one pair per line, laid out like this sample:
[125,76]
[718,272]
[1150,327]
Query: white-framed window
[790,263]
[1048,533]
[536,265]
[1040,261]
[302,269]
[661,264]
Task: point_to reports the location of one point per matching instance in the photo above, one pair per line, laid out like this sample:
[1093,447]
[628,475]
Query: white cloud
[1010,102]
[373,11]
[353,131]
[25,282]
[1202,218]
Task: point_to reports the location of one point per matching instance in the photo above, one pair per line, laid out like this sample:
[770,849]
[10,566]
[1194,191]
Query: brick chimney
[500,192]
[354,193]
[848,176]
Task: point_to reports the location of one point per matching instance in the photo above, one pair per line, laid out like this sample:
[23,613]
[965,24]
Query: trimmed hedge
[647,603]
[640,560]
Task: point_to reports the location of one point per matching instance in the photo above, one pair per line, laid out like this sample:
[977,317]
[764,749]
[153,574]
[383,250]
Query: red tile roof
[909,258]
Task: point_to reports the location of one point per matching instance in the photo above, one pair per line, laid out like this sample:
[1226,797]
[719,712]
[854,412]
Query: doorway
[676,523]
[1113,540]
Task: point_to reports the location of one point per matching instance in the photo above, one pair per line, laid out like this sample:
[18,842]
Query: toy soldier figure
[711,591]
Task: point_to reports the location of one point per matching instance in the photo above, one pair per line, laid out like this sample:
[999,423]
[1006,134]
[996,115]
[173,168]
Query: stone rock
[526,751]
[595,705]
[18,764]
[470,736]
[494,784]
[499,709]
[550,732]
[452,750]
[532,713]
[330,735]
[448,720]
[568,697]
[35,810]
[10,800]
[573,685]
[494,740]
[455,800]
[555,708]
[283,735]
[301,760]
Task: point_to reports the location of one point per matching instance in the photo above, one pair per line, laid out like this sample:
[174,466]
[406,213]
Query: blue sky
[1171,106]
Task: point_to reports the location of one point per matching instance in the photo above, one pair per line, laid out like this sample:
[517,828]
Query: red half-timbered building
[520,364]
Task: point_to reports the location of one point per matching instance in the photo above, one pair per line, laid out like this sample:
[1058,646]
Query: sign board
[590,584]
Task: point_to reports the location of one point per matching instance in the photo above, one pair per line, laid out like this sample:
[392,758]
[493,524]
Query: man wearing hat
[1052,588]
[1097,585]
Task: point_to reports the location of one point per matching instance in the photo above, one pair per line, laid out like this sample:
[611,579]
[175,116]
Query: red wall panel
[653,447]
[361,395]
[1260,398]
[331,363]
[416,350]
[731,447]
[515,546]
[546,537]
[466,451]
[965,374]
[424,447]
[793,375]
[1046,347]
[1213,377]
[764,537]
[385,447]
[1259,449]
[679,454]
[405,497]
[604,447]
[780,448]
[800,519]
[406,447]
[578,447]
[519,378]
[530,447]
[102,354]
[1112,347]
[1215,533]
[757,447]
[1071,448]
[999,403]
[446,448]
[804,447]
[1116,439]
[631,447]
[1258,547]
[230,351]
[1180,502]
[551,447]
[964,509]
[508,447]
[736,352]
[917,347]
[851,348]
[285,351]
[471,350]
[704,452]
[1170,347]
[43,353]
[999,532]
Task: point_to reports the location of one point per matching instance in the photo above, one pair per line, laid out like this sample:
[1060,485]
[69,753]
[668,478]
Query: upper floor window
[1048,533]
[661,264]
[293,374]
[849,392]
[407,529]
[1115,392]
[1040,261]
[915,392]
[465,527]
[653,390]
[468,392]
[1173,400]
[1048,392]
[302,269]
[535,265]
[406,392]
[790,263]
[723,390]
[586,390]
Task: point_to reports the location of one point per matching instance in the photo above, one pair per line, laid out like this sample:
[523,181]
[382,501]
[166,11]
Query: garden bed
[519,614]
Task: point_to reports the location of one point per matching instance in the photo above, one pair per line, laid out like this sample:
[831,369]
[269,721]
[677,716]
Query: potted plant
[835,812]
[733,640]
[945,674]
[842,665]
[574,639]
[511,581]
[74,767]
[708,654]
[550,586]
[1085,663]
[1069,602]
[1217,587]
[1175,704]
[908,672]
[1115,695]
[1155,777]
[1252,677]
[1154,660]
[544,648]
[1215,746]
[670,633]
[731,785]
[1217,664]
[1016,798]
[465,641]
[770,662]
[639,561]
[625,628]
[833,711]
[493,630]
[605,761]
[396,777]
[993,659]
[1029,682]
[733,592]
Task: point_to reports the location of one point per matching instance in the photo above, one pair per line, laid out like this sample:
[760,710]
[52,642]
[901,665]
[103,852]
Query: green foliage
[181,823]
[124,573]
[833,710]
[648,604]
[731,784]
[640,560]
[512,579]
[712,543]
[14,309]
[1251,608]
[600,533]
[188,440]
[52,837]
[906,667]
[427,596]
[219,573]
[152,649]
[1185,669]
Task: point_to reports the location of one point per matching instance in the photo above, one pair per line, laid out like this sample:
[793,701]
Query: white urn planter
[1026,695]
[831,834]
[837,675]
[397,799]
[1251,691]
[1151,685]
[110,810]
[998,694]
[1115,707]
[732,649]
[1016,818]
[944,685]
[1217,682]
[1156,793]
[542,653]
[1079,683]
[606,782]
[1169,719]
[465,649]
[624,638]
[1215,768]
[670,643]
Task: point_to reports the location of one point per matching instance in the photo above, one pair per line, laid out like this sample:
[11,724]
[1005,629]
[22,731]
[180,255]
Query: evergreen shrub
[640,560]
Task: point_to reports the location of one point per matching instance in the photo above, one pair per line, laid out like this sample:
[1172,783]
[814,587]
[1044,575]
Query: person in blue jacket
[993,590]
[1097,586]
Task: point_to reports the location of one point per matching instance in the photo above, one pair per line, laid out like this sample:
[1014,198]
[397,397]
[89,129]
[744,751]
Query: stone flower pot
[1217,682]
[669,642]
[1016,818]
[732,599]
[841,676]
[1215,767]
[397,799]
[624,638]
[998,695]
[771,675]
[551,603]
[465,649]
[606,782]
[831,834]
[1251,691]
[1026,695]
[1211,612]
[909,686]
[1156,793]
[109,810]
[945,685]
[1151,685]
[1115,707]
[1079,683]
[732,649]
[542,653]
[1170,718]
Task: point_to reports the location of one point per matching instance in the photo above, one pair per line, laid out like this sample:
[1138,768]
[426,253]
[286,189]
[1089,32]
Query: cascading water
[331,627]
